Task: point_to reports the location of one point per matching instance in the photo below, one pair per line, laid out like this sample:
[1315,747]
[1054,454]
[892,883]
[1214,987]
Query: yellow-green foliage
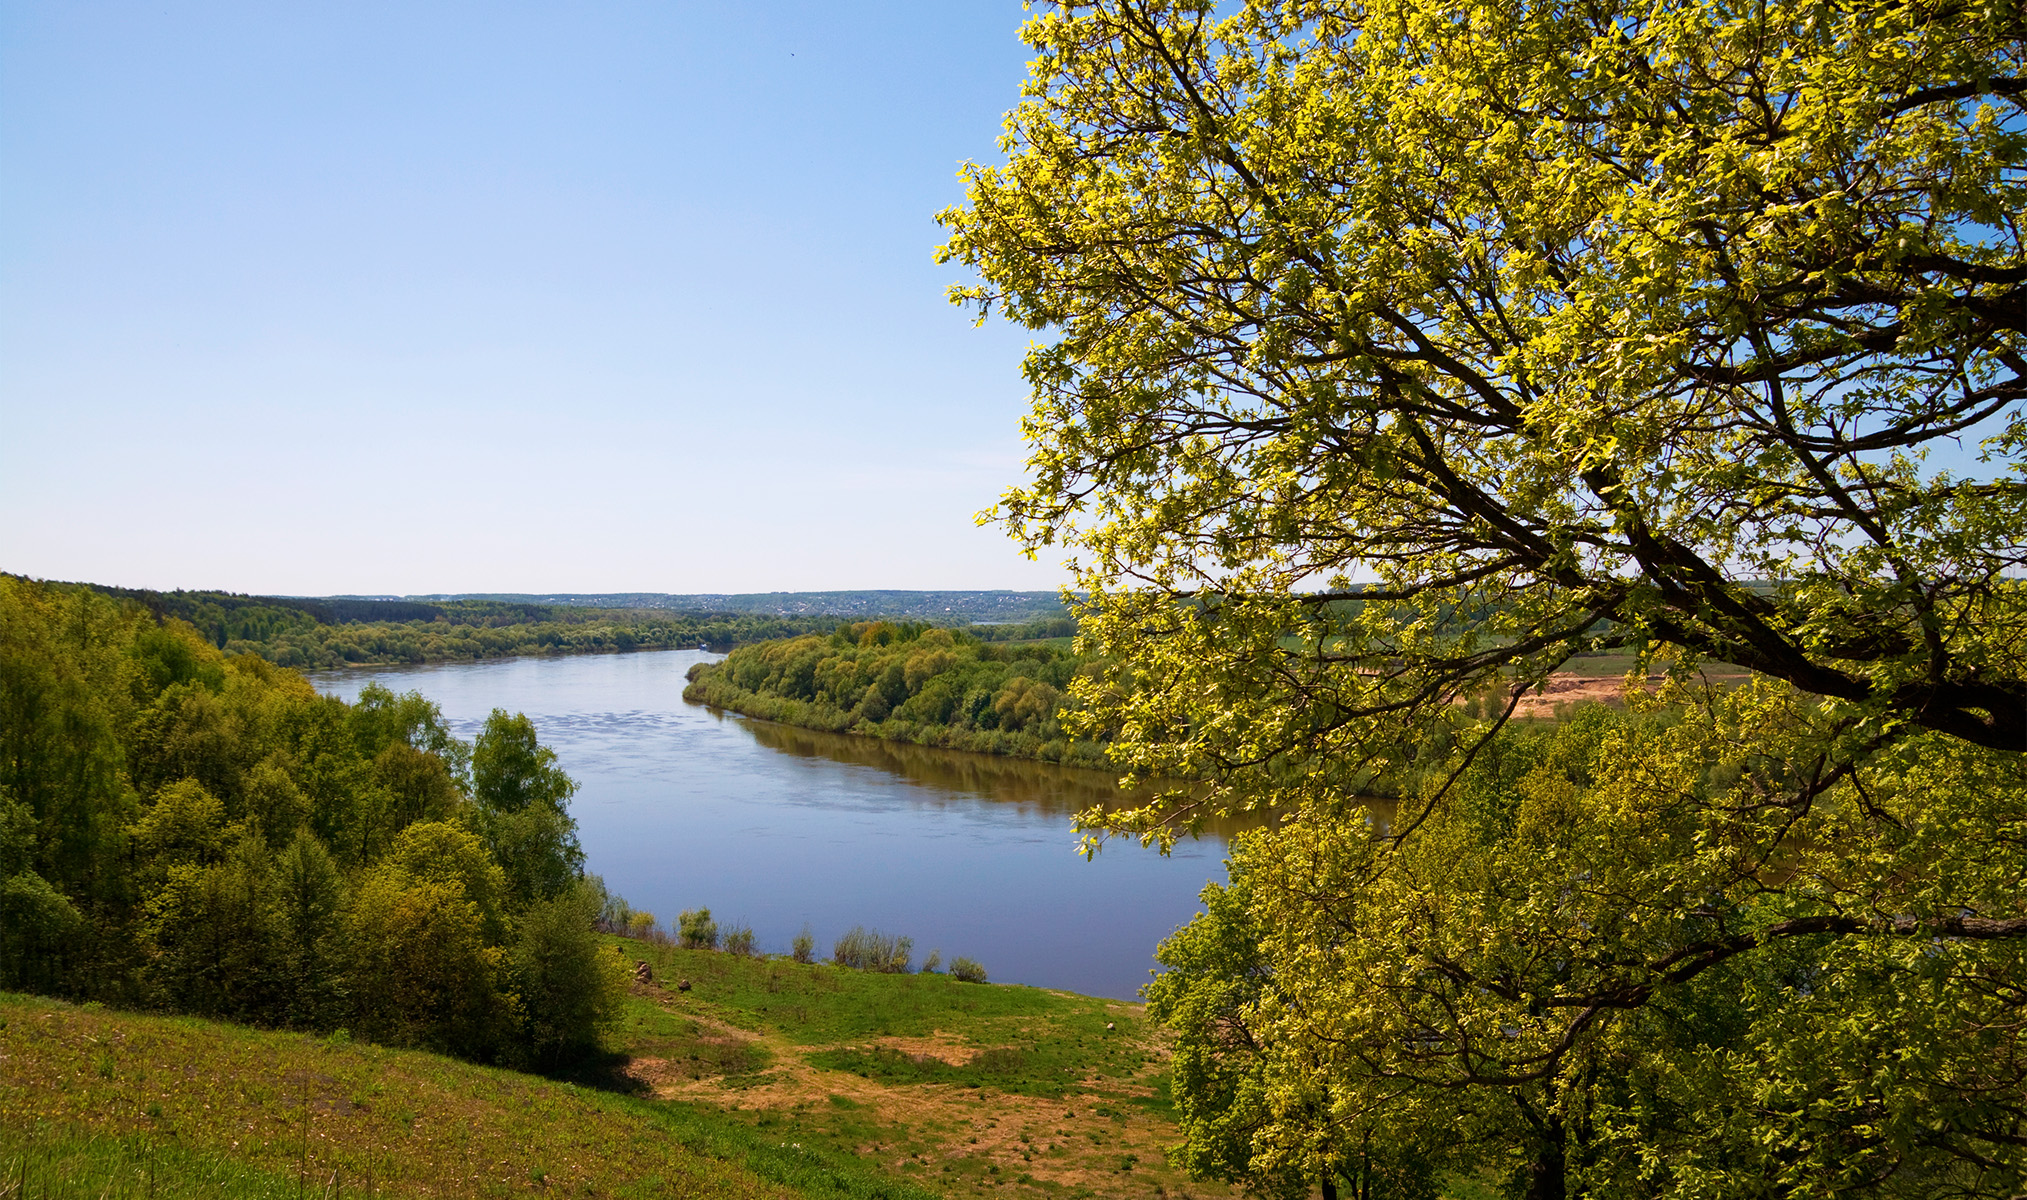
[1396,353]
[937,687]
[1609,950]
[191,829]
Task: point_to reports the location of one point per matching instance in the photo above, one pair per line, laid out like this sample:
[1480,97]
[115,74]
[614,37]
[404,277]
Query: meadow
[763,1077]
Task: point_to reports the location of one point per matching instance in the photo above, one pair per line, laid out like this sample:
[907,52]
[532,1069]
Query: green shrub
[697,930]
[804,949]
[934,961]
[739,940]
[964,970]
[422,973]
[36,923]
[571,986]
[871,950]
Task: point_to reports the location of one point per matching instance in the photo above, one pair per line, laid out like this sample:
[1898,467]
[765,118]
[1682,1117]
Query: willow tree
[1399,352]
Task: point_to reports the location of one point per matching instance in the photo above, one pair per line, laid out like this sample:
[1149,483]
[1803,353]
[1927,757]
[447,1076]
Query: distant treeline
[190,830]
[318,633]
[912,682]
[937,608]
[309,634]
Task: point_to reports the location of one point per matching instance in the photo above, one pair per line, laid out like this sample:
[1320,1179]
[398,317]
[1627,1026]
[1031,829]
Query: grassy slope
[103,1103]
[764,1078]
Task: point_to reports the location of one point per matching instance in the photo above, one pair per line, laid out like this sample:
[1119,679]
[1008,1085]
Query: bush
[965,970]
[804,949]
[739,940]
[697,930]
[571,985]
[871,950]
[422,973]
[614,913]
[934,961]
[37,923]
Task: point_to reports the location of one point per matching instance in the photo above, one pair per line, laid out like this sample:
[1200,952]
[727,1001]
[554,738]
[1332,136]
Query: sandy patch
[1576,689]
[1049,1139]
[940,1046]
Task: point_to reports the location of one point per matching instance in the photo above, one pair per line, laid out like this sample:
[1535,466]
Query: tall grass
[62,1165]
[871,950]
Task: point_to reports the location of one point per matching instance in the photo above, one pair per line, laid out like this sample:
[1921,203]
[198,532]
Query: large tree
[1399,352]
[1614,325]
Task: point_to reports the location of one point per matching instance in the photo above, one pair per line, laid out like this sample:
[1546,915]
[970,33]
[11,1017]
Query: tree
[1402,352]
[1519,976]
[571,985]
[523,799]
[1606,326]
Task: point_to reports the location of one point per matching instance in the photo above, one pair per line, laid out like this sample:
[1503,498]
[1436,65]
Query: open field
[1602,678]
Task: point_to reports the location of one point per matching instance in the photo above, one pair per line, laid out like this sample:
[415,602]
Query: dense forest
[914,683]
[188,829]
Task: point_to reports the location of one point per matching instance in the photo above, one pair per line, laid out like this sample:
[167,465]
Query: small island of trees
[911,682]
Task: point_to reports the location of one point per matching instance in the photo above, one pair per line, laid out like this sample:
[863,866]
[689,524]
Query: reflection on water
[1042,790]
[778,827]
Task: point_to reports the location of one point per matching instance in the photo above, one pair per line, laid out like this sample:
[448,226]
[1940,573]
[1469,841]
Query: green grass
[1051,1068]
[42,1162]
[821,1004]
[971,1088]
[787,1080]
[213,1108]
[1028,1041]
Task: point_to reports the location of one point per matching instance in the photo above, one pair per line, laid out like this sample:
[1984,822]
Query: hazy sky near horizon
[382,298]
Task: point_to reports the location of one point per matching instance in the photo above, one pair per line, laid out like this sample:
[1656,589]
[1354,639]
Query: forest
[315,634]
[189,829]
[912,682]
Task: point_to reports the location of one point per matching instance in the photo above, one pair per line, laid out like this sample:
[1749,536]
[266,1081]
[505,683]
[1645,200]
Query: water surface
[778,827]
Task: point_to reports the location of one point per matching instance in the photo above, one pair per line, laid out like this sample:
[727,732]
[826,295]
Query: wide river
[780,828]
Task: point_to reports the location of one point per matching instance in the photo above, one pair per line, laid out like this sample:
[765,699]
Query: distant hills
[949,607]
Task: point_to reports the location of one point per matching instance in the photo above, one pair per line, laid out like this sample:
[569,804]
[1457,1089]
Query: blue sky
[415,298]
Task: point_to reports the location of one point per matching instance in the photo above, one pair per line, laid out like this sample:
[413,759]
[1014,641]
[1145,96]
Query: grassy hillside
[764,1077]
[100,1103]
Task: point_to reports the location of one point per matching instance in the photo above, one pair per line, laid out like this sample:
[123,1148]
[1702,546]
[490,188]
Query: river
[780,828]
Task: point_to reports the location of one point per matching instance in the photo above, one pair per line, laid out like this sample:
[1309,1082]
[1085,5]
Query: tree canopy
[1399,352]
[1621,325]
[912,683]
[185,829]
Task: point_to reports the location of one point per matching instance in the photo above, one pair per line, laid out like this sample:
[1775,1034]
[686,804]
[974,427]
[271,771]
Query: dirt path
[956,1138]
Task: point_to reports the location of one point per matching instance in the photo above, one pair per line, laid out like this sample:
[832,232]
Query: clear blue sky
[411,298]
